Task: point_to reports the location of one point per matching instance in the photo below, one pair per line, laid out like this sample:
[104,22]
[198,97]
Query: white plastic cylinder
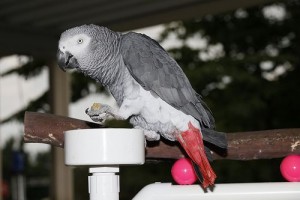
[105,146]
[104,183]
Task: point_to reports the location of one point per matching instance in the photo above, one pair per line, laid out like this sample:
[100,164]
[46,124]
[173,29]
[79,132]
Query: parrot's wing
[156,71]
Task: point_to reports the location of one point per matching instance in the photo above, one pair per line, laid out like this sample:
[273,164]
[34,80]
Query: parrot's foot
[98,112]
[191,141]
[149,135]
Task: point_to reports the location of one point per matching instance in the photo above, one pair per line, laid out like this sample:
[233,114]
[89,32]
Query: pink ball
[183,172]
[290,168]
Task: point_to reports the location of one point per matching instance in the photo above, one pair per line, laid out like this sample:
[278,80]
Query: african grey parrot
[150,89]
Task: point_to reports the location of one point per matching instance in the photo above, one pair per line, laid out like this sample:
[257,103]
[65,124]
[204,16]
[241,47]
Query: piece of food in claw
[96,106]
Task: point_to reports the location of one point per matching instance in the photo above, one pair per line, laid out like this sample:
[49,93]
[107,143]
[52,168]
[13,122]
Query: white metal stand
[104,150]
[232,191]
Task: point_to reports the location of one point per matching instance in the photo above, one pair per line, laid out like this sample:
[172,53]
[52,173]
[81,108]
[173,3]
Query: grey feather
[154,69]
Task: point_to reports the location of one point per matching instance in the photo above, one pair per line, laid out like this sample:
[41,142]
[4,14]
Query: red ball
[290,168]
[183,172]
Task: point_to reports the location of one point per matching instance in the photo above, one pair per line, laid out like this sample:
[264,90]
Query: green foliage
[249,99]
[29,69]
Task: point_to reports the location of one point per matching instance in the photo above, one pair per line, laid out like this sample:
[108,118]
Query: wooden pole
[62,176]
[241,146]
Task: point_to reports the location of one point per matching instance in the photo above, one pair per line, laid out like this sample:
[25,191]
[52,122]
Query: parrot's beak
[66,60]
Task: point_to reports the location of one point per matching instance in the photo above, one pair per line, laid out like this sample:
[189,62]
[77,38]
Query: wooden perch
[48,128]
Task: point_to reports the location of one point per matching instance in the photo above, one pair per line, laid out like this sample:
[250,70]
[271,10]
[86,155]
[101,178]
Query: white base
[237,191]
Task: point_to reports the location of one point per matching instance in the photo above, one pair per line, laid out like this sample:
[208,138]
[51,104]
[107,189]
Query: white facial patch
[75,45]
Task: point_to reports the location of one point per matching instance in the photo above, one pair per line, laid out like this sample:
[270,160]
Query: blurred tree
[248,71]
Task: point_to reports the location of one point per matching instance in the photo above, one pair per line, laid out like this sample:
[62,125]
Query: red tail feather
[191,141]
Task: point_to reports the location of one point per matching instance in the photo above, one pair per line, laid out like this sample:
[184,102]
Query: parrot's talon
[98,112]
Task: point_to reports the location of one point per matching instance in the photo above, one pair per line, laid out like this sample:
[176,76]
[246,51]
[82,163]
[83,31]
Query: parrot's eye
[80,41]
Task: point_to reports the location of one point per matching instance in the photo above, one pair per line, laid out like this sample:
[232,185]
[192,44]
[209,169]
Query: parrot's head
[84,47]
